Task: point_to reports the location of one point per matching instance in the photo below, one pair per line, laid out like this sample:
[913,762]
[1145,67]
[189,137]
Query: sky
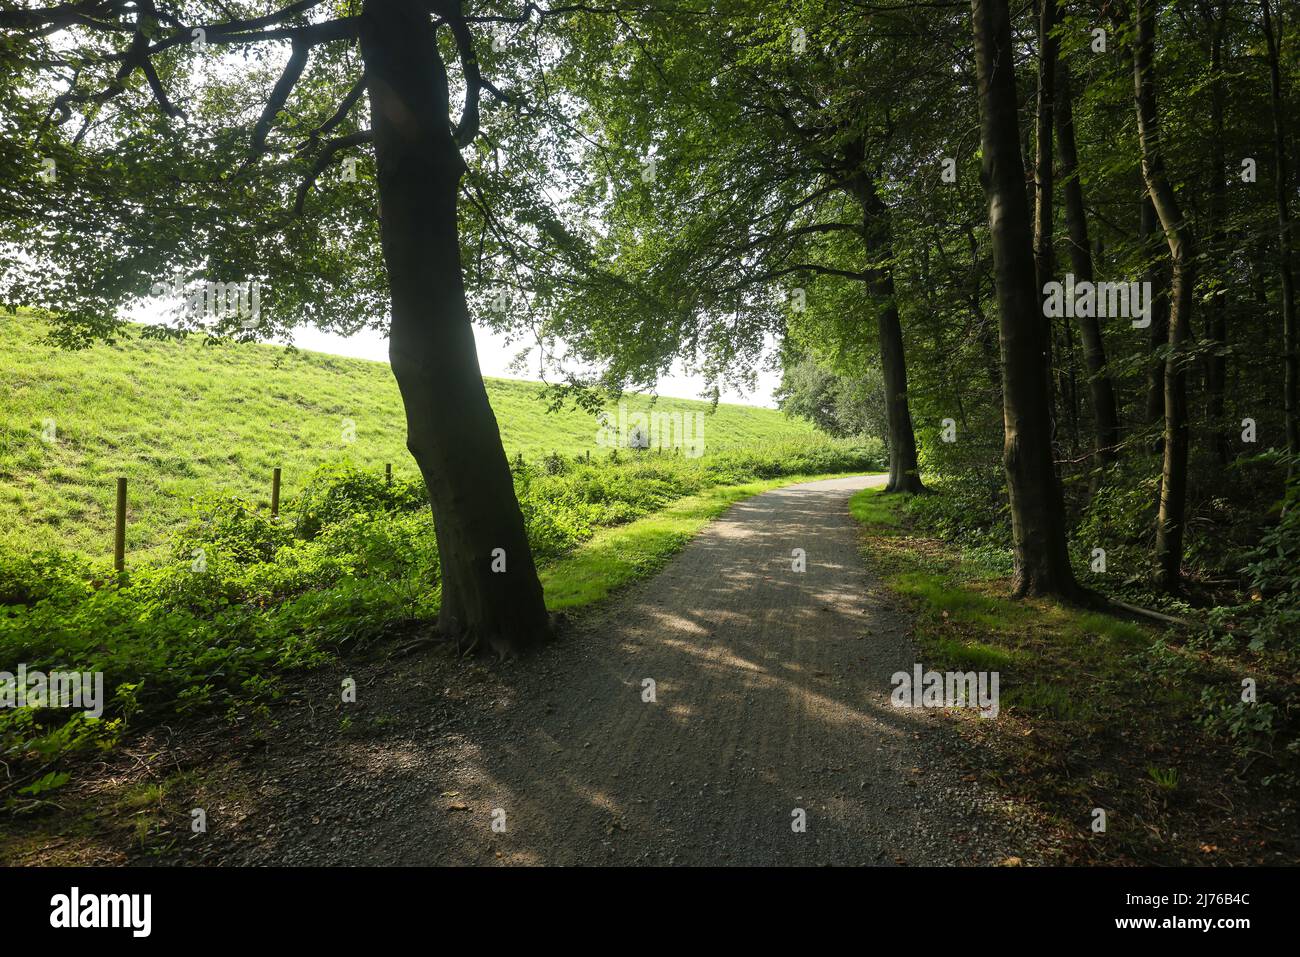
[495,356]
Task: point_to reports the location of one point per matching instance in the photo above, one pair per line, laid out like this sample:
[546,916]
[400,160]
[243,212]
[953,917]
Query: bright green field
[179,419]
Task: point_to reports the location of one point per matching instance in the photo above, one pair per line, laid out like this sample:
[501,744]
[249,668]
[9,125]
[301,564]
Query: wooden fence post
[275,494]
[119,537]
[388,473]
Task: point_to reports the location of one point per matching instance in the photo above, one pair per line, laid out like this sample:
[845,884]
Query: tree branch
[452,12]
[328,156]
[279,96]
[339,116]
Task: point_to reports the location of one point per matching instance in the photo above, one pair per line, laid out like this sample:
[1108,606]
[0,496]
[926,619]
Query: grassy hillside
[184,419]
[220,600]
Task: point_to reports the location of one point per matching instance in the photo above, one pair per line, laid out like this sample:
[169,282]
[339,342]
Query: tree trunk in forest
[1042,564]
[1043,215]
[1157,274]
[1047,45]
[1173,477]
[1101,390]
[904,475]
[1070,386]
[1281,186]
[491,596]
[1216,364]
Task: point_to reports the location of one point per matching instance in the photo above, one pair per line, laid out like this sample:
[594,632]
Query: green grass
[958,598]
[875,510]
[180,419]
[229,600]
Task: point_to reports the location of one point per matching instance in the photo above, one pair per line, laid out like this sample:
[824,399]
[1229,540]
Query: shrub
[969,508]
[27,579]
[338,491]
[240,598]
[231,528]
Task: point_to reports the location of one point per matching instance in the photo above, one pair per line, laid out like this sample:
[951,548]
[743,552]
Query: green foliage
[1273,571]
[838,404]
[184,420]
[49,781]
[225,527]
[1120,517]
[238,599]
[566,501]
[1244,721]
[1166,779]
[969,509]
[339,491]
[29,577]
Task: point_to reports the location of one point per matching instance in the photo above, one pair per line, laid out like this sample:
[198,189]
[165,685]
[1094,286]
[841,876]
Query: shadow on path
[771,691]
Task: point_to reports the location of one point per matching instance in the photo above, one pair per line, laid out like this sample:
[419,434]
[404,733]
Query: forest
[1033,263]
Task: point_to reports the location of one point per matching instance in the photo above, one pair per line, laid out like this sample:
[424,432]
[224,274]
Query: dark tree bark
[451,430]
[1042,565]
[1173,478]
[904,475]
[1281,185]
[1070,386]
[1101,390]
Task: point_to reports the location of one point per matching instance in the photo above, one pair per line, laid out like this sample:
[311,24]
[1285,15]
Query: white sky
[495,356]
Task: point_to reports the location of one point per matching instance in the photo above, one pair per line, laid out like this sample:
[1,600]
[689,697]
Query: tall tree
[1216,363]
[1273,35]
[904,473]
[1043,213]
[106,51]
[1042,565]
[490,590]
[1178,235]
[1101,389]
[1156,275]
[764,148]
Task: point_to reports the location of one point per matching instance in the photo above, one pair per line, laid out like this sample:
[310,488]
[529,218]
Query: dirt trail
[772,694]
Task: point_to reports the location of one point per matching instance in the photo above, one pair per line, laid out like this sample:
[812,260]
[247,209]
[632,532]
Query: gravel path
[771,691]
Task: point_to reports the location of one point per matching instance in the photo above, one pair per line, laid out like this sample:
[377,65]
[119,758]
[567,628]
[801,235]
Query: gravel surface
[771,697]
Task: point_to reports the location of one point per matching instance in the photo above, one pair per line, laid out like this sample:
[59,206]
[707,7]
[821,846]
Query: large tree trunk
[1042,565]
[1281,186]
[904,474]
[451,431]
[1101,391]
[1173,478]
